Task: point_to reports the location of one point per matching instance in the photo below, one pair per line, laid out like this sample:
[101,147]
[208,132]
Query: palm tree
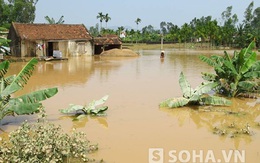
[100,16]
[52,21]
[106,18]
[137,21]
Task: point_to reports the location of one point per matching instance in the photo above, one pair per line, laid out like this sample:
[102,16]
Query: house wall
[28,48]
[68,48]
[15,44]
[79,48]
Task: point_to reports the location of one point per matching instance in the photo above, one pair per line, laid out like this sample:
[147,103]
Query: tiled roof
[107,40]
[51,31]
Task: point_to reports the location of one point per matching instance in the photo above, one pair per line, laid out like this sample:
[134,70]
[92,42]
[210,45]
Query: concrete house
[37,40]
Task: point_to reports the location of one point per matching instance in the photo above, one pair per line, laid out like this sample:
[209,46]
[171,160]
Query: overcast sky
[125,12]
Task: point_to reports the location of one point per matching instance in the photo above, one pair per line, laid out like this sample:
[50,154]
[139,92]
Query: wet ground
[134,122]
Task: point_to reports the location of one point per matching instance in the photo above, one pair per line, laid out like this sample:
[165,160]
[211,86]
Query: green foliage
[194,96]
[22,11]
[45,142]
[24,104]
[3,41]
[237,74]
[90,109]
[52,20]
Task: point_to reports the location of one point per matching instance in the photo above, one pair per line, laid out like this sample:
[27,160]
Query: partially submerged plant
[90,109]
[4,43]
[45,142]
[236,75]
[27,103]
[197,96]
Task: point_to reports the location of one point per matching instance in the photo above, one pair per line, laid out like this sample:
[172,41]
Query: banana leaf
[207,60]
[247,85]
[205,88]
[202,89]
[209,76]
[3,68]
[37,96]
[215,100]
[99,110]
[21,79]
[230,66]
[24,108]
[185,86]
[174,102]
[100,101]
[91,106]
[72,108]
[252,74]
[256,66]
[249,62]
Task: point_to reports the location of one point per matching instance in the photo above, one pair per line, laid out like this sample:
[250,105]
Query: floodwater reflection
[231,120]
[134,121]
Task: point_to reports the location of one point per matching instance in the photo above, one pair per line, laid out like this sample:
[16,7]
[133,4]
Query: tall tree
[229,27]
[248,14]
[93,30]
[163,26]
[22,11]
[100,16]
[256,25]
[137,21]
[107,18]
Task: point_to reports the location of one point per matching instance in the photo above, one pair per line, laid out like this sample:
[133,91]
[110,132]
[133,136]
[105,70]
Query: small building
[106,42]
[36,40]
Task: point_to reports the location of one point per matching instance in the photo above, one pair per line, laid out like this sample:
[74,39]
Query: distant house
[106,42]
[35,40]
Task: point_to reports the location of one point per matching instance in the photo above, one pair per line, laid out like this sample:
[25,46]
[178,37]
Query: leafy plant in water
[45,142]
[27,103]
[236,75]
[194,96]
[90,109]
[3,42]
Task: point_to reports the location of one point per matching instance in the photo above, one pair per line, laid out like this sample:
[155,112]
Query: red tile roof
[107,40]
[51,31]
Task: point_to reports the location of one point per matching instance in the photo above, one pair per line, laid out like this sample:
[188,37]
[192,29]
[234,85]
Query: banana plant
[24,104]
[90,109]
[236,75]
[197,96]
[4,43]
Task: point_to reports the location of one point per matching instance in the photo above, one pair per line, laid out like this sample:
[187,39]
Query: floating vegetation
[232,130]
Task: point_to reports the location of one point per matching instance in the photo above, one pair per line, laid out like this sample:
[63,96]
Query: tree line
[225,32]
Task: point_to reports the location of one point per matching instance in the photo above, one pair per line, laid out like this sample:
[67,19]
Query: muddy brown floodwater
[134,122]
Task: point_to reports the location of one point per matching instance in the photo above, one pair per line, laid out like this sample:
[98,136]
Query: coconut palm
[137,21]
[106,18]
[101,17]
